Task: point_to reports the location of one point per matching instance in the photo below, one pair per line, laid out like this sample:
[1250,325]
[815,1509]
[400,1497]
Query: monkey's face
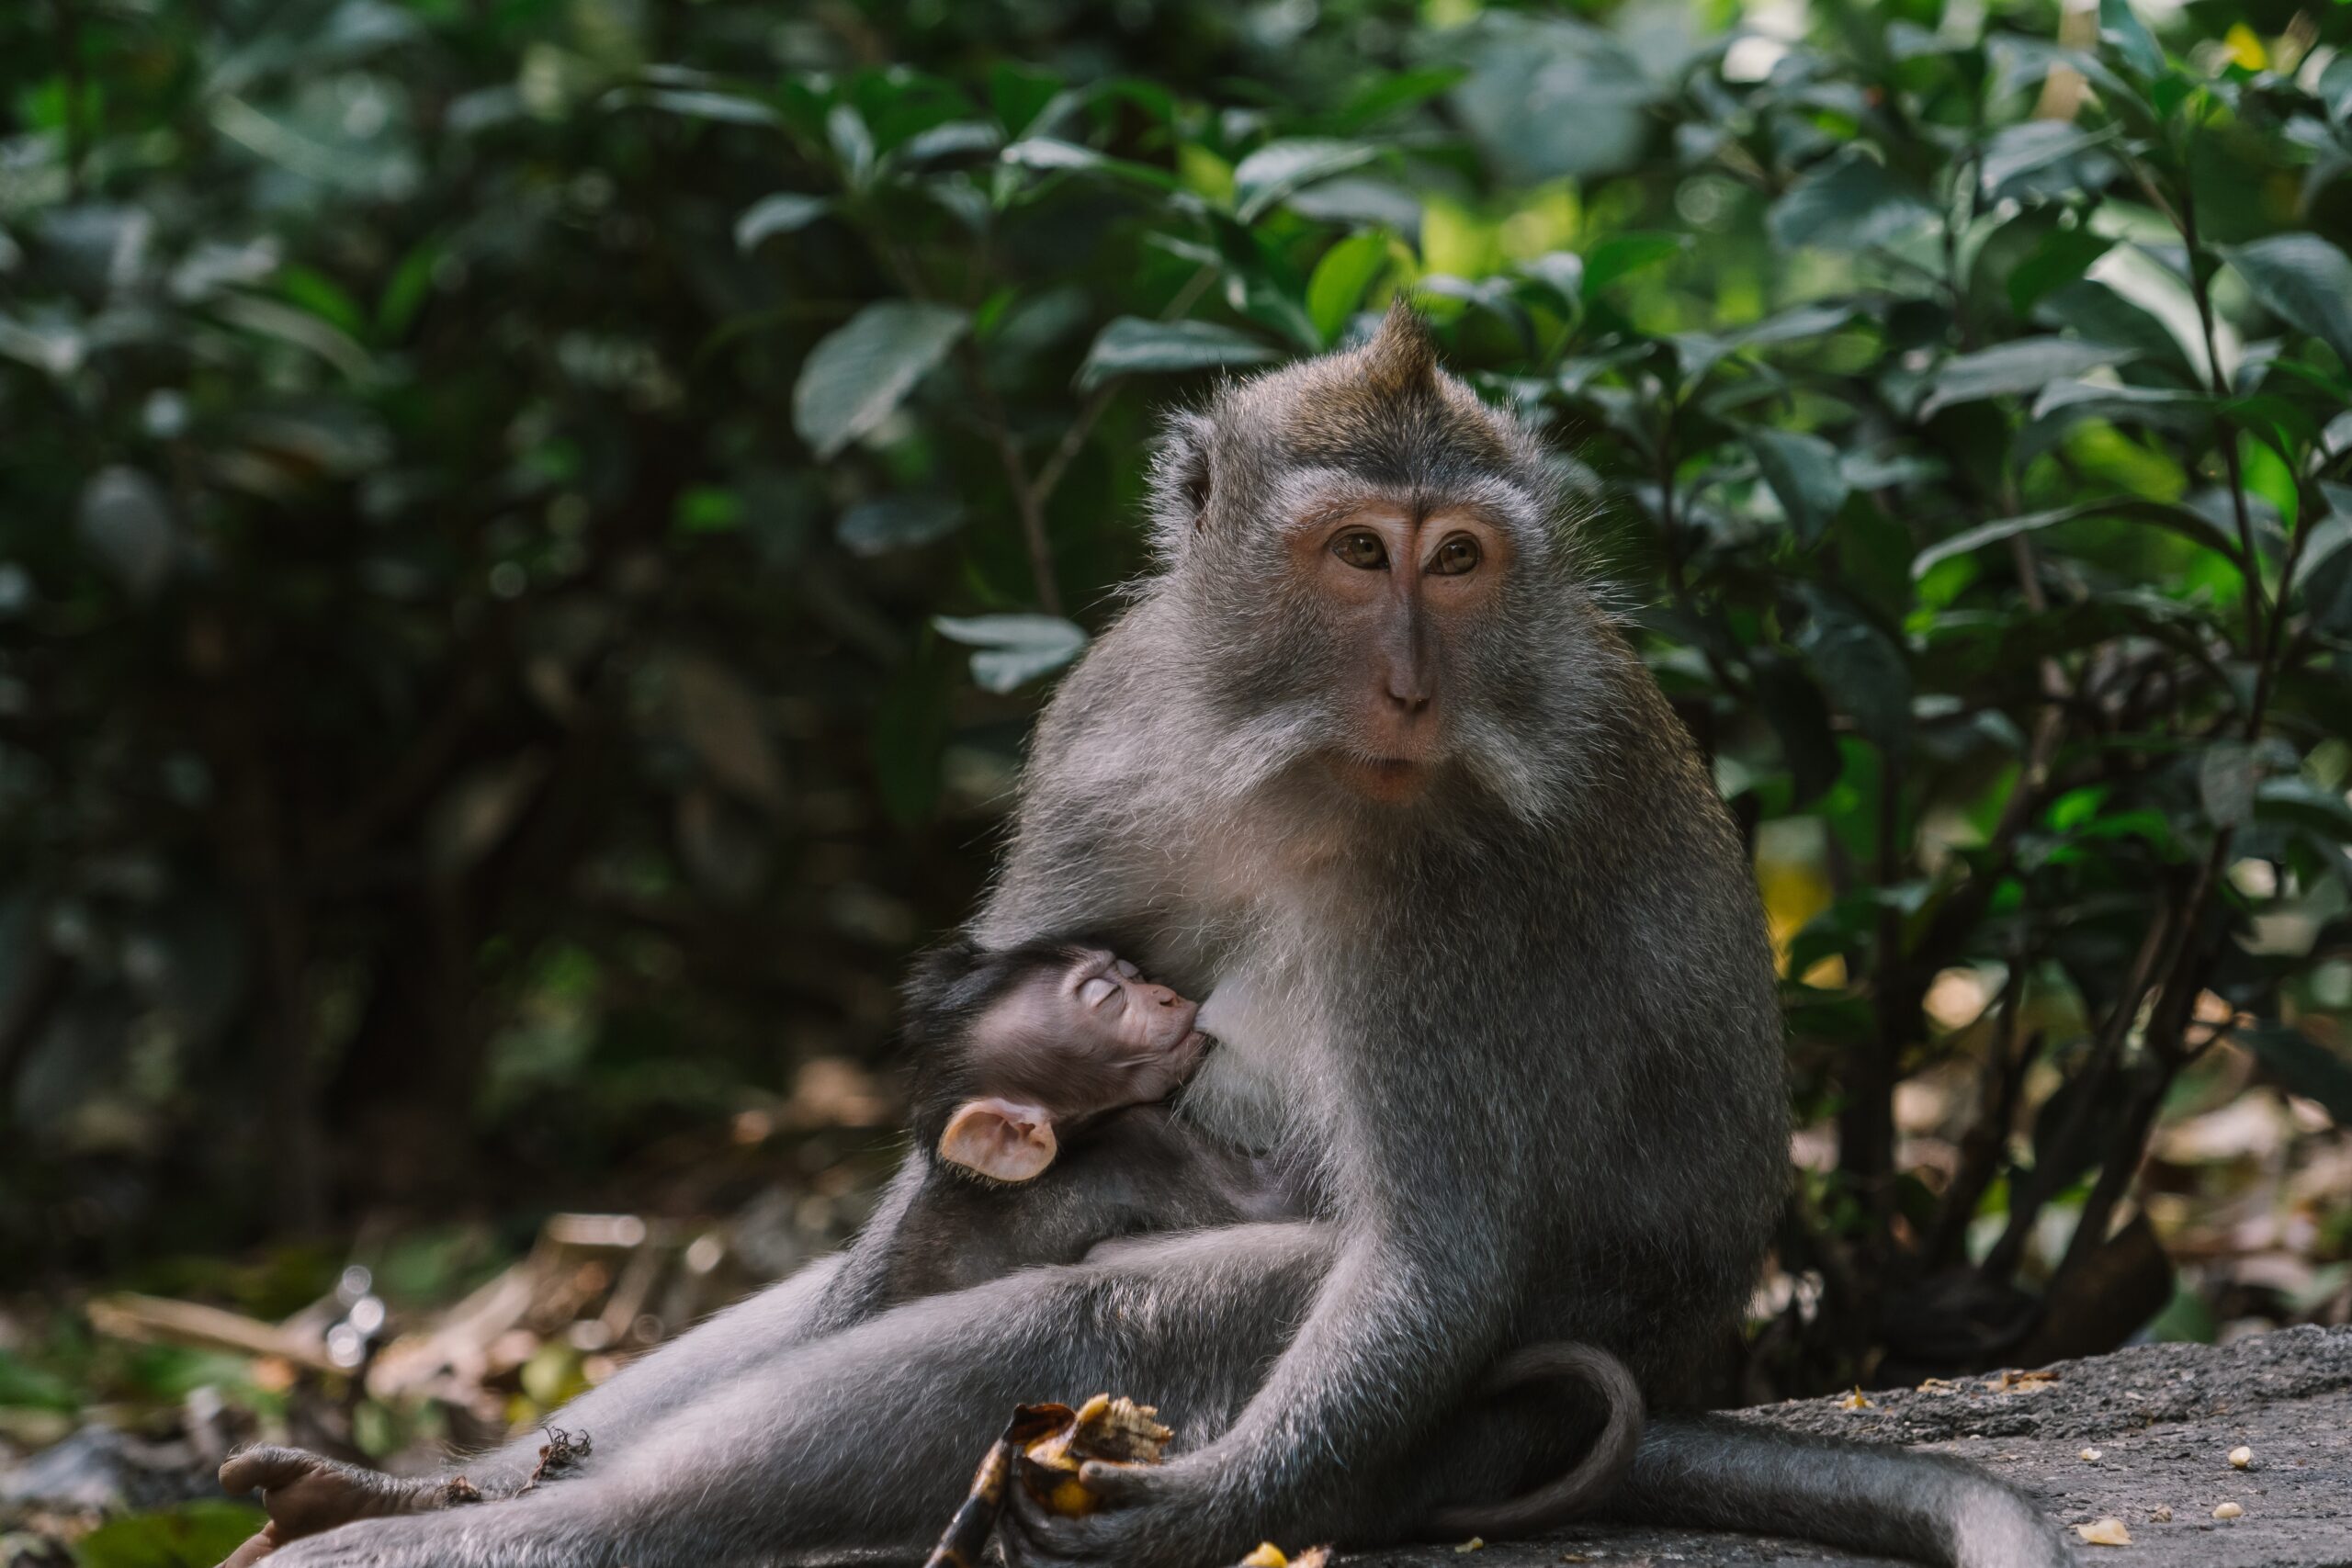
[1090,1035]
[1401,593]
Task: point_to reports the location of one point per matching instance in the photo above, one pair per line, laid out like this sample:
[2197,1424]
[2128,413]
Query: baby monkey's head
[1014,1050]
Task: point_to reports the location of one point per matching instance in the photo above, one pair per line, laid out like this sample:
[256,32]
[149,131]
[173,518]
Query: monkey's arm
[1362,1380]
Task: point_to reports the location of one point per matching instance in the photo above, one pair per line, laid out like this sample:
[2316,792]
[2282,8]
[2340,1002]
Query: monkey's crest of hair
[1384,413]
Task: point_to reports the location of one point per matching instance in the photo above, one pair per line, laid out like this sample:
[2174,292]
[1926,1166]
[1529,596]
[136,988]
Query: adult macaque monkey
[1363,765]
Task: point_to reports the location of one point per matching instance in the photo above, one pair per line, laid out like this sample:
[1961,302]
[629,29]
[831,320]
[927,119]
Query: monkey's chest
[1246,1092]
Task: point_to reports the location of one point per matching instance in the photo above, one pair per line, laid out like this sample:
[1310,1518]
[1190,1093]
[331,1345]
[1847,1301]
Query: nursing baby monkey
[1041,1077]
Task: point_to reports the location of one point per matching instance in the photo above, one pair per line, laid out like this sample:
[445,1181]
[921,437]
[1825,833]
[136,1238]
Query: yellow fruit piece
[2228,1511]
[1268,1555]
[2239,1458]
[2105,1533]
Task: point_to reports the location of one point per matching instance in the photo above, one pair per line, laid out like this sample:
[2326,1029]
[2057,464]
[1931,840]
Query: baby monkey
[1040,1078]
[1040,1073]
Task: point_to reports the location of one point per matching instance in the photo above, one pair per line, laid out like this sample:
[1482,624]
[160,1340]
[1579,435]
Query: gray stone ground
[2163,1420]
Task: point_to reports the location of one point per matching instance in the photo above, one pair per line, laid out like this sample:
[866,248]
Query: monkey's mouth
[1392,781]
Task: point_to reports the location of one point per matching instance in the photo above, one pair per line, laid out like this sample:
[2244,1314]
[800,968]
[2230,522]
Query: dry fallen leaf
[2105,1533]
[1937,1385]
[2228,1511]
[1103,1429]
[2239,1458]
[1855,1400]
[2163,1516]
[2032,1378]
[1473,1544]
[2091,1456]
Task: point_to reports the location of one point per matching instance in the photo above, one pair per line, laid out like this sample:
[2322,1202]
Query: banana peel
[1047,1446]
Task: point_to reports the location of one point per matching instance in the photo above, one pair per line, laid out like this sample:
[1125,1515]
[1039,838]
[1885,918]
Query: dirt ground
[2162,1419]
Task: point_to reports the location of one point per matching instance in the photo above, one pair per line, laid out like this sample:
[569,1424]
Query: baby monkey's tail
[1587,1482]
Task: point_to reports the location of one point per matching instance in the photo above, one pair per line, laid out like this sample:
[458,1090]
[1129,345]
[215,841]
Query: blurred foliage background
[534,529]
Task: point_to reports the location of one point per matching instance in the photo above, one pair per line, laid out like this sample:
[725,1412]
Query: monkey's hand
[305,1493]
[1167,1516]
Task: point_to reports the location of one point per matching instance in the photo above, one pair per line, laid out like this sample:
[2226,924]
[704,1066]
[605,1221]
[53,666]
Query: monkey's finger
[265,1469]
[1118,1485]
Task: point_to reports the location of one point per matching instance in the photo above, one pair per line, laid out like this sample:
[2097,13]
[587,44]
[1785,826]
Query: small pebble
[2091,1456]
[2162,1516]
[2239,1458]
[2228,1511]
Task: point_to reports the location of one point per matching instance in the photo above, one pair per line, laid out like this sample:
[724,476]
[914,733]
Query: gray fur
[1521,1039]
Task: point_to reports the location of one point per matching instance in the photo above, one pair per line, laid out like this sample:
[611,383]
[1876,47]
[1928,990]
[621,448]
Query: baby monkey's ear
[999,1139]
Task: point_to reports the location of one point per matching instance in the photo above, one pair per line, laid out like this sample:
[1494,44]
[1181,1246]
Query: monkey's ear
[1182,482]
[999,1139]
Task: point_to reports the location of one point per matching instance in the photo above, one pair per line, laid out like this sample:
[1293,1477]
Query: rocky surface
[2162,1420]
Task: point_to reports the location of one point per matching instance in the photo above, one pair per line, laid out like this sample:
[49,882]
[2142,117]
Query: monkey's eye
[1456,556]
[1097,991]
[1360,549]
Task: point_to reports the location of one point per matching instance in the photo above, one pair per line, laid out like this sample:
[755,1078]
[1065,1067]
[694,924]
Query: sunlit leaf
[1132,346]
[2123,31]
[779,214]
[1340,278]
[1013,649]
[2027,365]
[2305,280]
[1275,170]
[859,372]
[1848,202]
[1804,473]
[899,523]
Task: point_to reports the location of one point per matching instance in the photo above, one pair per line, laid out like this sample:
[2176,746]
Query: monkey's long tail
[1724,1475]
[1592,1477]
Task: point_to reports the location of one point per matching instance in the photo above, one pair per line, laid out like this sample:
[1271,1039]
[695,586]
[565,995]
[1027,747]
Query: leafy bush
[500,493]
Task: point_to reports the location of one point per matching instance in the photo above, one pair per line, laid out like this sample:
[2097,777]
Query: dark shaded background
[531,532]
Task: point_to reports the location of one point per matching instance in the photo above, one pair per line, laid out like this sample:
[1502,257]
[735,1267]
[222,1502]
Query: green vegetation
[534,529]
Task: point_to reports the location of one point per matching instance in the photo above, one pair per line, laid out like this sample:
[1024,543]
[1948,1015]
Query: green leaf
[899,523]
[1848,202]
[1013,648]
[726,107]
[194,1535]
[2025,366]
[2305,281]
[1621,256]
[1134,346]
[2017,151]
[2181,520]
[1390,91]
[1861,668]
[125,520]
[782,213]
[2302,1065]
[1804,473]
[2129,37]
[2059,260]
[1274,171]
[862,370]
[1340,278]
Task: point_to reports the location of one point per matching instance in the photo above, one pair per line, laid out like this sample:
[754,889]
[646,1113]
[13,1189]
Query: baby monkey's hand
[305,1493]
